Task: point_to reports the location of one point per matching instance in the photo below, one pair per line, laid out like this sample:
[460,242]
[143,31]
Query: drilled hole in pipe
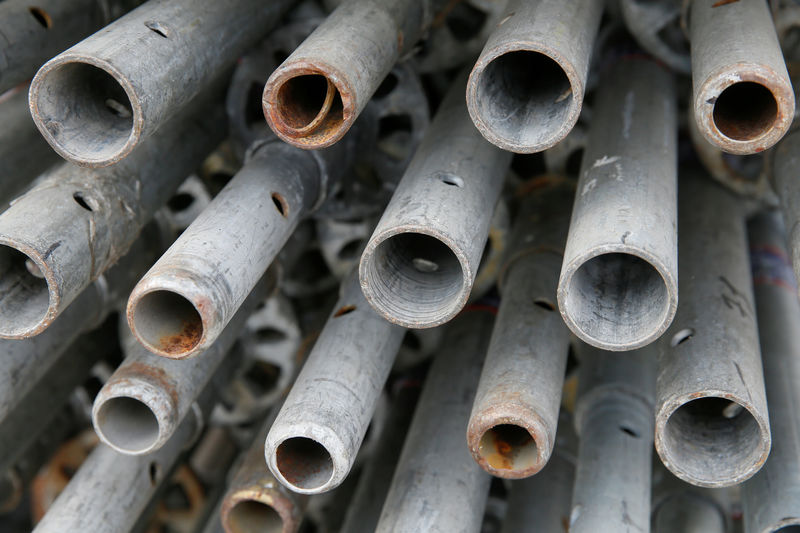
[706,442]
[24,295]
[127,424]
[86,110]
[344,310]
[42,17]
[304,463]
[250,515]
[745,111]
[681,337]
[617,298]
[302,104]
[508,447]
[524,97]
[415,277]
[154,471]
[180,202]
[168,322]
[280,204]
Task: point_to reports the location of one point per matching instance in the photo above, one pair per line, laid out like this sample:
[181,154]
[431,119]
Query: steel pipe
[742,98]
[418,267]
[194,289]
[618,288]
[526,90]
[312,445]
[434,465]
[512,427]
[785,165]
[313,98]
[771,498]
[712,427]
[656,25]
[678,506]
[95,102]
[614,420]
[93,217]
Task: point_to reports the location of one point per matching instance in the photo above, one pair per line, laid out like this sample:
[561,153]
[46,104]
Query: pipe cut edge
[80,103]
[253,509]
[308,459]
[596,314]
[304,119]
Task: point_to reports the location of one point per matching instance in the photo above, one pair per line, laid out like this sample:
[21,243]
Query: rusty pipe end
[617,297]
[309,104]
[524,97]
[259,508]
[134,412]
[744,109]
[509,441]
[86,110]
[415,277]
[711,439]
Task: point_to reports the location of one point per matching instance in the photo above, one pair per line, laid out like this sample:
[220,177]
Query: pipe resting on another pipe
[678,506]
[785,170]
[512,427]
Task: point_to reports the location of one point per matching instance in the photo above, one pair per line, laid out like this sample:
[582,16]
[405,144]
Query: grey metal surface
[678,506]
[785,166]
[656,25]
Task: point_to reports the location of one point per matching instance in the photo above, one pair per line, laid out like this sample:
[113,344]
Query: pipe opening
[127,424]
[789,529]
[304,462]
[309,103]
[251,515]
[745,111]
[167,322]
[617,299]
[85,110]
[710,440]
[24,294]
[415,278]
[524,97]
[508,447]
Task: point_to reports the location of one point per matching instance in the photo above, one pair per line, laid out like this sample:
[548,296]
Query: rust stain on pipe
[184,341]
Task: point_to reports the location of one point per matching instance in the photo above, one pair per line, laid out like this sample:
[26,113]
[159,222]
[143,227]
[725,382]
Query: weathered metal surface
[526,90]
[678,506]
[618,288]
[785,162]
[712,427]
[656,25]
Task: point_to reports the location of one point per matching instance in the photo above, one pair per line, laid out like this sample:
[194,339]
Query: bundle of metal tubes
[448,266]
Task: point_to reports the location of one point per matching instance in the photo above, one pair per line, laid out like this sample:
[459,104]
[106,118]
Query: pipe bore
[307,106]
[415,278]
[304,462]
[252,515]
[167,323]
[24,293]
[508,447]
[83,112]
[745,111]
[617,299]
[127,424]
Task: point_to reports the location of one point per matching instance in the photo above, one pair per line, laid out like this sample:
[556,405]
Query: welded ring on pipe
[252,509]
[524,98]
[617,298]
[414,277]
[29,298]
[711,439]
[308,105]
[308,460]
[86,109]
[744,109]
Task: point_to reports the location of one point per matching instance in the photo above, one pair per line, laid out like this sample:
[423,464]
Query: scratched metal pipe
[419,265]
[785,166]
[678,506]
[101,98]
[771,498]
[313,98]
[93,217]
[742,97]
[435,468]
[145,400]
[313,443]
[712,426]
[614,420]
[526,90]
[512,427]
[618,288]
[255,501]
[195,288]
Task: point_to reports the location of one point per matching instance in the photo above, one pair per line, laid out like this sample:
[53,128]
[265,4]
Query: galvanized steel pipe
[678,506]
[618,288]
[785,170]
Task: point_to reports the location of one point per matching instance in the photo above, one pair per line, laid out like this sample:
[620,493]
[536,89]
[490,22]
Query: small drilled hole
[629,431]
[344,310]
[81,201]
[154,471]
[158,28]
[117,108]
[42,17]
[732,410]
[33,269]
[280,204]
[450,179]
[682,336]
[180,201]
[544,304]
[270,335]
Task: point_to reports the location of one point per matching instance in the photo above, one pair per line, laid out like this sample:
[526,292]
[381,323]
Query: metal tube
[99,99]
[614,420]
[182,304]
[313,443]
[142,404]
[435,468]
[771,498]
[712,427]
[656,25]
[526,90]
[785,165]
[313,98]
[512,427]
[419,265]
[678,506]
[93,217]
[742,99]
[618,288]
